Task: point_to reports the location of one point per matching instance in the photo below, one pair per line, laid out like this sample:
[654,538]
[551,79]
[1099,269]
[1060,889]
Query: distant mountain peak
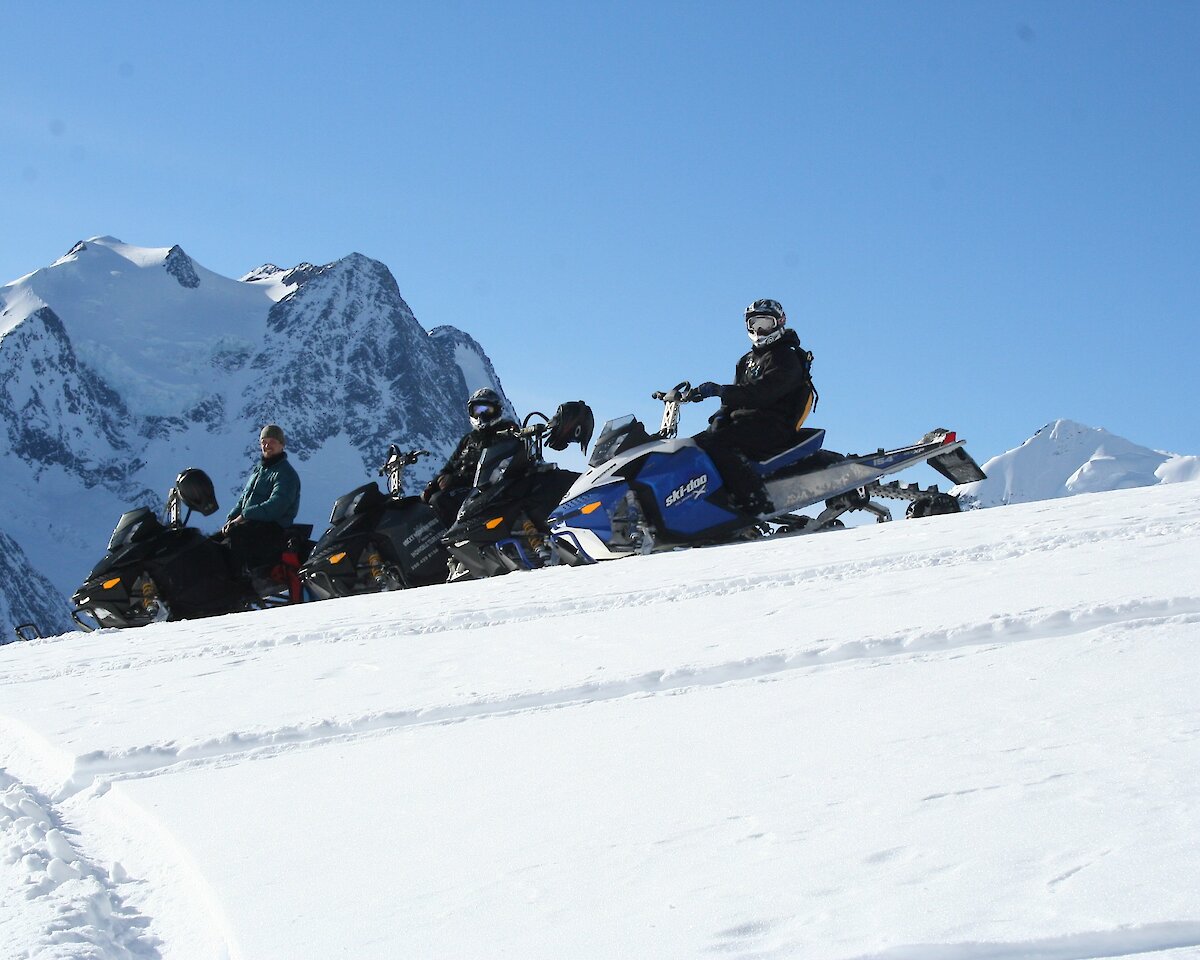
[1065,458]
[265,272]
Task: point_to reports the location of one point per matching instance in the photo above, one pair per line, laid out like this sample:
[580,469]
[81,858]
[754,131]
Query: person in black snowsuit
[446,492]
[771,396]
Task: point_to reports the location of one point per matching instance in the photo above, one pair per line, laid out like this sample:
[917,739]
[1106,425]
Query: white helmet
[765,322]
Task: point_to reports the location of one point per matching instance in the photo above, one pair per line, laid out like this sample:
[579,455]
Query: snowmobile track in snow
[245,632]
[155,759]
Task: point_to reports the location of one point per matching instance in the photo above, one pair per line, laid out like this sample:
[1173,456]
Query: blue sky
[978,215]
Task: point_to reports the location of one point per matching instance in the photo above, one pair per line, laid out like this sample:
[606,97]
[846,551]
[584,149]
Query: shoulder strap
[807,357]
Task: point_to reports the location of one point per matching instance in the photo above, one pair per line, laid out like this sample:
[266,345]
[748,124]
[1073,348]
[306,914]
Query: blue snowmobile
[645,492]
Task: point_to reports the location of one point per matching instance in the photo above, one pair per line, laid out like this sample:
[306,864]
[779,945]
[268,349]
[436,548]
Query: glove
[708,389]
[444,481]
[430,490]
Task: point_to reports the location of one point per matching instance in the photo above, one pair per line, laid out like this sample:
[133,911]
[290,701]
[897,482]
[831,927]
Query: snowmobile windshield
[505,457]
[617,435]
[134,526]
[355,502]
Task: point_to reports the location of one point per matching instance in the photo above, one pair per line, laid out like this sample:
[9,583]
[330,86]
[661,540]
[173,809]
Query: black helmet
[484,408]
[572,423]
[196,490]
[765,321]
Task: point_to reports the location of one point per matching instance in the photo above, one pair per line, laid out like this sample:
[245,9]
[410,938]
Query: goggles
[482,411]
[762,324]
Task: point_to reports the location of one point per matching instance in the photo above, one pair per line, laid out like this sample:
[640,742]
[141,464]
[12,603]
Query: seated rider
[446,492]
[256,529]
[768,401]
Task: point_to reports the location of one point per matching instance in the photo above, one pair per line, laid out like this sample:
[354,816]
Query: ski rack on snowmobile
[940,448]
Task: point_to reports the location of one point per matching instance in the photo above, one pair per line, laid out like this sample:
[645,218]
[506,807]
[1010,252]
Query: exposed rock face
[54,411]
[179,265]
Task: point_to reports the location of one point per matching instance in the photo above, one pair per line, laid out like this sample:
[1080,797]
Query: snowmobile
[645,493]
[158,570]
[378,541]
[501,526]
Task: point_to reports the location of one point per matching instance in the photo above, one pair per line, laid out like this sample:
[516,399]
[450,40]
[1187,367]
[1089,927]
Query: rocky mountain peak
[179,265]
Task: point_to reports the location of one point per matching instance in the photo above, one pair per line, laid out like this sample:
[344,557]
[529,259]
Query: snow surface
[956,738]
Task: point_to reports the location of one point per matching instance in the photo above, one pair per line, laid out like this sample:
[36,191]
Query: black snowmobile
[502,525]
[157,570]
[378,541]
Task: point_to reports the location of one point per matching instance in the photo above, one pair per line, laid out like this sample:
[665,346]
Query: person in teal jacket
[256,528]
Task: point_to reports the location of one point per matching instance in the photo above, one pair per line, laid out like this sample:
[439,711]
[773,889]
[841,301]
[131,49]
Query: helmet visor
[761,324]
[482,410]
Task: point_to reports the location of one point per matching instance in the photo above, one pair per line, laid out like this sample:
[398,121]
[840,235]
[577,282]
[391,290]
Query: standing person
[446,492]
[771,396]
[256,528]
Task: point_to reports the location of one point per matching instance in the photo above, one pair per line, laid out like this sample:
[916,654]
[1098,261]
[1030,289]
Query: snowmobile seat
[808,443]
[285,575]
[299,541]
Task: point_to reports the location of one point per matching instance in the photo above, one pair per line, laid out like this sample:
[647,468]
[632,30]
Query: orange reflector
[337,558]
[591,507]
[493,524]
[109,584]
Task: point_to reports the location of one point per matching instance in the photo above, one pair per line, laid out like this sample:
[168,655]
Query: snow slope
[956,738]
[1065,458]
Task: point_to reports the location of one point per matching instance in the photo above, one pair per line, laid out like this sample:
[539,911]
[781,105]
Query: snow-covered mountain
[121,365]
[35,600]
[1065,458]
[968,737]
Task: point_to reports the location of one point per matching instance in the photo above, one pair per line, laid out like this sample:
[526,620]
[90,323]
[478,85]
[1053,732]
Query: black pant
[730,443]
[254,543]
[446,503]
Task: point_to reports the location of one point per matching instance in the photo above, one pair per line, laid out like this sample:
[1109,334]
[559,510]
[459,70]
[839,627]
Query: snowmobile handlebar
[682,392]
[396,455]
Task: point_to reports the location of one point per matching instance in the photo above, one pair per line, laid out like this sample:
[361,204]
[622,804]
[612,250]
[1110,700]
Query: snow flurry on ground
[956,738]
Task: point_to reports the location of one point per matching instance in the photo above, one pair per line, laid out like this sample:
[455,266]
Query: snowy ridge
[964,736]
[1066,458]
[476,368]
[122,365]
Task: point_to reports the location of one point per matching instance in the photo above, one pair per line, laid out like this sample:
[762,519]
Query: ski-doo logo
[694,489]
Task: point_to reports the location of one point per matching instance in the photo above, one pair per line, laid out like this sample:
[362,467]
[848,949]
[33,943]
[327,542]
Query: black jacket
[460,468]
[772,382]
